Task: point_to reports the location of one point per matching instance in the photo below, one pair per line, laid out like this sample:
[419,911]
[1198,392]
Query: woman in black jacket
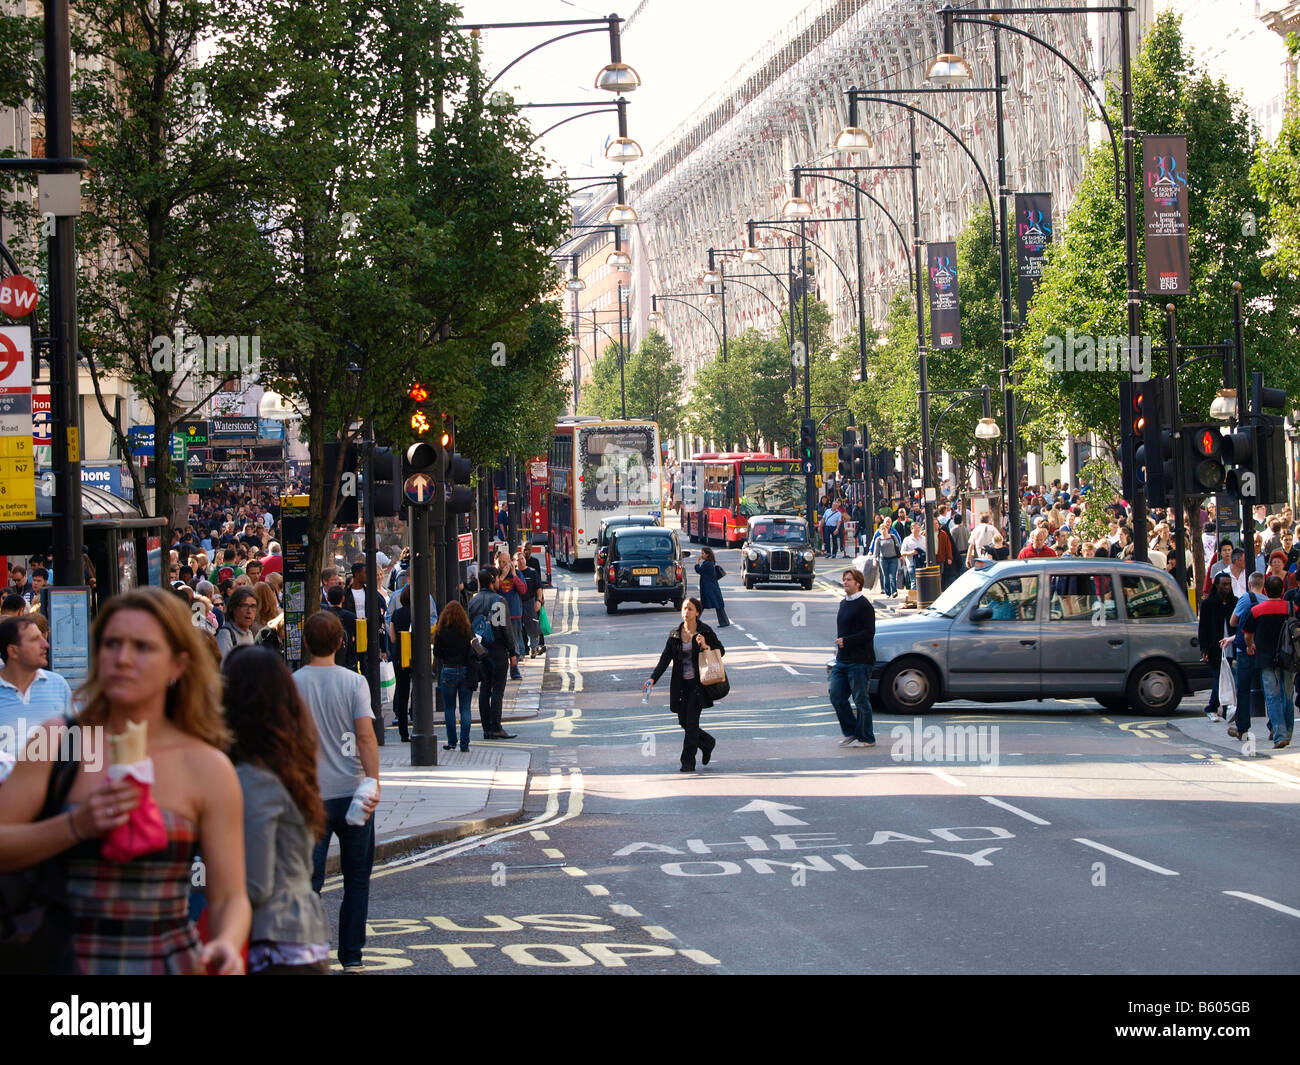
[459,675]
[687,696]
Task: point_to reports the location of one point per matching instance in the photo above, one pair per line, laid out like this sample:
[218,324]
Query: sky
[683,50]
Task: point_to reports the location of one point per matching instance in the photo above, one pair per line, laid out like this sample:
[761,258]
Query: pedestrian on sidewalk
[348,753]
[488,613]
[1250,688]
[710,590]
[240,627]
[530,598]
[855,633]
[886,547]
[687,696]
[458,675]
[535,566]
[1263,626]
[274,751]
[30,694]
[1213,632]
[399,623]
[511,586]
[149,669]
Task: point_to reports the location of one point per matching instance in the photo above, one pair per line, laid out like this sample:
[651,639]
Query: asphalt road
[1065,840]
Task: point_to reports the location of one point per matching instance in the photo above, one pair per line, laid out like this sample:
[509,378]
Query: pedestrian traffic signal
[1154,444]
[845,455]
[421,420]
[1204,472]
[1238,451]
[859,463]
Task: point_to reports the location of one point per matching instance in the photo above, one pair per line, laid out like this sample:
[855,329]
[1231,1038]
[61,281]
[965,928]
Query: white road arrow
[773,811]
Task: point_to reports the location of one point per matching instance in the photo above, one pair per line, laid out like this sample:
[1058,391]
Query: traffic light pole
[1176,420]
[373,617]
[1239,357]
[424,739]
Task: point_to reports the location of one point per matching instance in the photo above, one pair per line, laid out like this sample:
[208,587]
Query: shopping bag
[387,684]
[543,621]
[711,671]
[1227,687]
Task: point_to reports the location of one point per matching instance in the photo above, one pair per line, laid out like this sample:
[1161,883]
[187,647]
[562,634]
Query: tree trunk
[1191,512]
[317,529]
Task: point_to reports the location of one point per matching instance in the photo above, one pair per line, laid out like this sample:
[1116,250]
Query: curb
[1262,750]
[492,815]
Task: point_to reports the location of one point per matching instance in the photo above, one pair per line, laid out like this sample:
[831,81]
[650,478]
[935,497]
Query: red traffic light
[1207,443]
[418,392]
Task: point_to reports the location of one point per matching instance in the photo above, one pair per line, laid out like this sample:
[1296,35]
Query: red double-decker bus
[720,490]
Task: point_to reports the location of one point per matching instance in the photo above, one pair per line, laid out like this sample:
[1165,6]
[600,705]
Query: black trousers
[695,738]
[402,701]
[492,690]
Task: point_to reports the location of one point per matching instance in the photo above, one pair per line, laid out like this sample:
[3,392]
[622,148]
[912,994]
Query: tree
[1276,178]
[1082,292]
[600,394]
[654,384]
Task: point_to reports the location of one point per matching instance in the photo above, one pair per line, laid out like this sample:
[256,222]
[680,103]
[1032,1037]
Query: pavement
[465,793]
[1215,734]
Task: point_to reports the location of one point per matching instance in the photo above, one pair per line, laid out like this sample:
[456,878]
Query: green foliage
[1083,285]
[1102,478]
[652,381]
[1276,177]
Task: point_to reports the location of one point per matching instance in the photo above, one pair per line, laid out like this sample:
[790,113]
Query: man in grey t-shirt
[339,701]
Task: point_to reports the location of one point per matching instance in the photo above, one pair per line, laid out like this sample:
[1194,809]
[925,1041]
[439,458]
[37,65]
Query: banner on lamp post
[1033,234]
[945,311]
[1164,199]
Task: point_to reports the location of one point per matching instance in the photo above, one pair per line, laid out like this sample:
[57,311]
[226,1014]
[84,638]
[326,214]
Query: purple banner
[945,311]
[1164,186]
[1033,234]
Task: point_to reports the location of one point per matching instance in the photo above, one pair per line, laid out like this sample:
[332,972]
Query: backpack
[483,628]
[1287,653]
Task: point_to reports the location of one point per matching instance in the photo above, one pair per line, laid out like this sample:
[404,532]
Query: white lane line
[1264,902]
[624,910]
[553,852]
[1272,776]
[762,646]
[699,956]
[1127,857]
[657,931]
[1015,810]
[596,889]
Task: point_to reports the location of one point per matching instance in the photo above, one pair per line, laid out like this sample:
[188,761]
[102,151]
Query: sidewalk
[1215,734]
[464,793]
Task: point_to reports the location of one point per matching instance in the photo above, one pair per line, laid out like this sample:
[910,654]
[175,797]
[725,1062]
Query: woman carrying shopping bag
[710,591]
[693,685]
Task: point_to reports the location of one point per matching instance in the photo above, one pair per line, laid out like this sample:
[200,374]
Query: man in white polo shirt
[29,694]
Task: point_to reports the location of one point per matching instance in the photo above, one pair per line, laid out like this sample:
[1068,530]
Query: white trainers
[848,741]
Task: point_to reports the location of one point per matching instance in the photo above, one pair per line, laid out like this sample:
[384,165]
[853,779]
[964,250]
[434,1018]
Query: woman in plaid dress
[149,665]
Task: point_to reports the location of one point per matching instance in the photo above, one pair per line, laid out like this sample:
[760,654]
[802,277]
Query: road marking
[1259,772]
[699,956]
[773,810]
[1264,902]
[623,909]
[1015,810]
[1127,857]
[573,870]
[553,852]
[657,932]
[597,890]
[539,835]
[762,646]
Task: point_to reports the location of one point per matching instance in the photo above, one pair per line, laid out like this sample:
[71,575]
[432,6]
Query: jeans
[454,682]
[1250,691]
[846,677]
[889,576]
[356,857]
[491,691]
[1277,696]
[517,624]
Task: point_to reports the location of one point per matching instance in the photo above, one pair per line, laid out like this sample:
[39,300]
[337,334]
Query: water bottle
[365,791]
[645,692]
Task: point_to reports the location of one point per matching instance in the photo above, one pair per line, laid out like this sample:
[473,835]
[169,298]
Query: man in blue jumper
[855,634]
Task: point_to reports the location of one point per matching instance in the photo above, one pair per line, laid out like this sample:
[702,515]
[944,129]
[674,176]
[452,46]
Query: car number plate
[645,580]
[653,572]
[781,577]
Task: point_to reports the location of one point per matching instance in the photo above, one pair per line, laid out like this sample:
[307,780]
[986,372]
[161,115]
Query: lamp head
[752,256]
[618,78]
[621,215]
[618,259]
[623,150]
[949,69]
[987,429]
[796,208]
[855,140]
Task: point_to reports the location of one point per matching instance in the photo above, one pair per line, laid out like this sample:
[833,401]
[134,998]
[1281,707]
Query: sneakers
[848,741]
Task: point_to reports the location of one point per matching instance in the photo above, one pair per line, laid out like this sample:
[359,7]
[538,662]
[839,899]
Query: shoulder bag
[713,676]
[35,927]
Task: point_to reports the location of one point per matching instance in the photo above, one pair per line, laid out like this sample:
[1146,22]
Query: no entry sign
[18,295]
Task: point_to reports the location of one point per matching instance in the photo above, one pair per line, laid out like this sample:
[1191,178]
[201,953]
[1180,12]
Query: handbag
[711,669]
[543,620]
[35,927]
[719,572]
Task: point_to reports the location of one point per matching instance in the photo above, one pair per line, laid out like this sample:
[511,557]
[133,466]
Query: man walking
[1250,690]
[488,612]
[1213,631]
[855,633]
[511,586]
[959,532]
[348,752]
[29,693]
[1263,626]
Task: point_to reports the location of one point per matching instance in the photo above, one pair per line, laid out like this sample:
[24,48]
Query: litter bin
[929,584]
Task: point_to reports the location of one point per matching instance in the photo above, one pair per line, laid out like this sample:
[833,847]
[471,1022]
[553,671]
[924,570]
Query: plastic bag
[543,621]
[1227,687]
[387,684]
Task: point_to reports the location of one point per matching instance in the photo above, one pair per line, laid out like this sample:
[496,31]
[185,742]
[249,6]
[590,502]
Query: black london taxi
[644,565]
[776,551]
[607,527]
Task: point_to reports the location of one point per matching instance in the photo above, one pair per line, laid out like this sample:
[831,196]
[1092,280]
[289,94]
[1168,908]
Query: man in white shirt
[29,693]
[981,537]
[912,543]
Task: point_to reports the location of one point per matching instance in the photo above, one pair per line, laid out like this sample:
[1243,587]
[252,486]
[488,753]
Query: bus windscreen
[771,493]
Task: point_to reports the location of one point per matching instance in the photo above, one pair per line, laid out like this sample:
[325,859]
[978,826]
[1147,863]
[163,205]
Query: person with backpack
[1250,692]
[489,618]
[1275,643]
[886,548]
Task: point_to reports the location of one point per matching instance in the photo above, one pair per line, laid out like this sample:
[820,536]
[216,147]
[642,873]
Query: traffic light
[421,419]
[427,457]
[386,489]
[1154,444]
[1238,451]
[846,463]
[859,463]
[1270,440]
[1130,434]
[1204,472]
[808,445]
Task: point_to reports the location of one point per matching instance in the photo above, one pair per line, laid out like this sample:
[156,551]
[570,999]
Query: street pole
[810,488]
[373,618]
[1239,356]
[923,367]
[64,383]
[1180,526]
[424,739]
[789,269]
[577,342]
[622,384]
[1008,395]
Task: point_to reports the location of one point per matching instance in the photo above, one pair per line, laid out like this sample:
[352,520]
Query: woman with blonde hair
[149,667]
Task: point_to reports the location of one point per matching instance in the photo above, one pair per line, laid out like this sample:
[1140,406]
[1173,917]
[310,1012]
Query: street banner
[1164,166]
[17,471]
[1033,234]
[945,311]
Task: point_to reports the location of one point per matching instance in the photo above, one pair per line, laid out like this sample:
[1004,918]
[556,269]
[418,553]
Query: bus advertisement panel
[599,469]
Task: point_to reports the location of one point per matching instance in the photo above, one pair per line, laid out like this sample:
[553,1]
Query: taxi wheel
[807,585]
[611,605]
[908,688]
[748,581]
[1155,688]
